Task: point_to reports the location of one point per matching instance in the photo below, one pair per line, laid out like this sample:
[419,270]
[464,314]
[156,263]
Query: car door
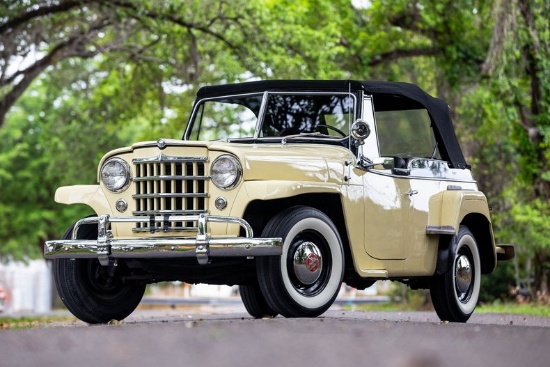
[396,198]
[388,204]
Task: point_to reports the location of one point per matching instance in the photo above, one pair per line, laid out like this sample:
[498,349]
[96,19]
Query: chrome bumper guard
[106,248]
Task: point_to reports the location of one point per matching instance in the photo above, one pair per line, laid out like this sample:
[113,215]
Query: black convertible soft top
[386,96]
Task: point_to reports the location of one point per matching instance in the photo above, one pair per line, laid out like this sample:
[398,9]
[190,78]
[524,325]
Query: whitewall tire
[306,278]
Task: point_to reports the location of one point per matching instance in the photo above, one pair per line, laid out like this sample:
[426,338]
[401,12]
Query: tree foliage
[515,154]
[80,77]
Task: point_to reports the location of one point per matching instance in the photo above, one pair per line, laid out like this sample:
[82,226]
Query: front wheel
[455,293]
[94,293]
[306,278]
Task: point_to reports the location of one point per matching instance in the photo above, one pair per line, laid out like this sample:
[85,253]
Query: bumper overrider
[106,247]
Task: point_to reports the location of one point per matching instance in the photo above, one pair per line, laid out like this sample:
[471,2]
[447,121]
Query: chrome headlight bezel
[225,172]
[117,182]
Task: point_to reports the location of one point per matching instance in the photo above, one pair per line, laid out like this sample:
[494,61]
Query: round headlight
[225,171]
[115,174]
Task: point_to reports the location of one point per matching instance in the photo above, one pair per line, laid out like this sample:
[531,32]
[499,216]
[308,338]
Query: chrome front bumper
[106,247]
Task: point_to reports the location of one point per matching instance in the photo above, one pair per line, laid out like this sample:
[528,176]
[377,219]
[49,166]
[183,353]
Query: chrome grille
[169,186]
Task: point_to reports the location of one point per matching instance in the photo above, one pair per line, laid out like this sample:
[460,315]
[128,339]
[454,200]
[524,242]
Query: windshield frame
[353,115]
[262,110]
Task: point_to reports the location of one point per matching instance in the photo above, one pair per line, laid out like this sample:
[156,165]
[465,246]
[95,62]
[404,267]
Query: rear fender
[452,208]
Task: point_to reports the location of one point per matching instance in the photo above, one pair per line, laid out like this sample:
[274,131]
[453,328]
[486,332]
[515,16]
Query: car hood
[291,161]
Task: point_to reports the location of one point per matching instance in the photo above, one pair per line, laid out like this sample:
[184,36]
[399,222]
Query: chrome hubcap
[463,276]
[307,263]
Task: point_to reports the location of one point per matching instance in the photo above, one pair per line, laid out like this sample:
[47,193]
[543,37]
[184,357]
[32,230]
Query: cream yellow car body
[275,171]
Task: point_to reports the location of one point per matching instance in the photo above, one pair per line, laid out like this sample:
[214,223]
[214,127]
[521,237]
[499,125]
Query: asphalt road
[227,336]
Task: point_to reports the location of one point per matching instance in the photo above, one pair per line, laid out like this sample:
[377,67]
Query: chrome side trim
[413,176]
[446,230]
[454,187]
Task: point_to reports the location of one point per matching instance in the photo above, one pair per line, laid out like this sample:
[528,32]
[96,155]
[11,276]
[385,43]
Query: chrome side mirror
[360,131]
[382,163]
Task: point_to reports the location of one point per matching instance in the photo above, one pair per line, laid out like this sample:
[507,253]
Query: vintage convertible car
[287,189]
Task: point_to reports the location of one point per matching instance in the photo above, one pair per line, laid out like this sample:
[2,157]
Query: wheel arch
[481,229]
[259,212]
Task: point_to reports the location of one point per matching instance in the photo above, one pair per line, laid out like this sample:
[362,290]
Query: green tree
[158,39]
[516,83]
[48,141]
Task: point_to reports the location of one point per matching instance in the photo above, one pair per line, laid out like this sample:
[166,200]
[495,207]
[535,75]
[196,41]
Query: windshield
[228,117]
[327,114]
[291,114]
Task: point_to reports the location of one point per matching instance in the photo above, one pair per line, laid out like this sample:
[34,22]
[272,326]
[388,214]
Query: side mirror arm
[360,131]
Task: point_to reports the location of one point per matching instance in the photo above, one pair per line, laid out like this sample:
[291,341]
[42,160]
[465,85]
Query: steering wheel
[331,128]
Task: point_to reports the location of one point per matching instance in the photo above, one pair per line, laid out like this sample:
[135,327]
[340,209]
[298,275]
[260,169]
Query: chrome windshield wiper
[307,135]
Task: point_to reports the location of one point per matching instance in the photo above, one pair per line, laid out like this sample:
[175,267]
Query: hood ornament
[161,143]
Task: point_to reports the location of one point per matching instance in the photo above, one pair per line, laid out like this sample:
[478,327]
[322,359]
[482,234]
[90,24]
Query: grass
[32,322]
[497,307]
[513,308]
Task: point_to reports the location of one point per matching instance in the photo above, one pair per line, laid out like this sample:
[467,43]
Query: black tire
[455,293]
[89,291]
[306,278]
[254,301]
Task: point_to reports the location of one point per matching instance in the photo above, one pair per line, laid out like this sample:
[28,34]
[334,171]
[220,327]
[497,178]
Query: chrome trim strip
[169,195]
[170,178]
[261,116]
[168,212]
[161,158]
[446,230]
[454,188]
[165,229]
[378,172]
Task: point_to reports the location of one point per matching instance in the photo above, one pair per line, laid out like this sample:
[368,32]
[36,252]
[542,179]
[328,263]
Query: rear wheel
[92,292]
[455,293]
[254,301]
[306,278]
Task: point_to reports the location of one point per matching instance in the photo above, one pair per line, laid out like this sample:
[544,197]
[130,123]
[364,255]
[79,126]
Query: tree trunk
[542,271]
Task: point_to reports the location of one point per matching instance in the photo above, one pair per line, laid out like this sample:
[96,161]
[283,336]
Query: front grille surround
[167,185]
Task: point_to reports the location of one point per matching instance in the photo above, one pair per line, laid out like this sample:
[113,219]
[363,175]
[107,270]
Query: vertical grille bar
[169,186]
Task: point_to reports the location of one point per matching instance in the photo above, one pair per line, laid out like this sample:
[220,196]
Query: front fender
[91,195]
[271,190]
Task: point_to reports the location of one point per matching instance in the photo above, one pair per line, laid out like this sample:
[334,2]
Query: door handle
[412,192]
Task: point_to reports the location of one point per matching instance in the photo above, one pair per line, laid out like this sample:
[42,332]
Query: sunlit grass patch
[497,307]
[32,322]
[513,308]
